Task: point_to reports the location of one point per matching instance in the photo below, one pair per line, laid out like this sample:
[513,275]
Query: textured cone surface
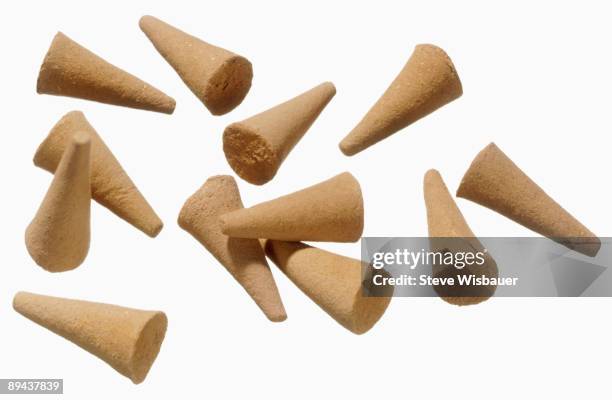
[448,229]
[330,211]
[110,185]
[219,78]
[256,147]
[127,339]
[494,181]
[243,258]
[58,236]
[332,281]
[71,70]
[427,82]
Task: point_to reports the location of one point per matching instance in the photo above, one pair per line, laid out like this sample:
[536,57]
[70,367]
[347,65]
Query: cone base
[228,86]
[147,346]
[41,257]
[249,154]
[465,301]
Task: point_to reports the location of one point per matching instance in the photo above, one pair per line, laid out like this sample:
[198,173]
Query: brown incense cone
[243,258]
[448,231]
[331,211]
[256,147]
[110,185]
[332,281]
[494,181]
[219,78]
[71,70]
[58,237]
[127,339]
[427,82]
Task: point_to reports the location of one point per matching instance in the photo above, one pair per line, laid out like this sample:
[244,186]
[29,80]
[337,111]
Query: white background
[536,79]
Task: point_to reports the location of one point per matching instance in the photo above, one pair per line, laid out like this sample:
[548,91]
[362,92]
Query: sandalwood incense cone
[127,339]
[427,82]
[256,147]
[332,281]
[219,78]
[448,231]
[331,211]
[494,181]
[110,185]
[58,236]
[71,70]
[243,258]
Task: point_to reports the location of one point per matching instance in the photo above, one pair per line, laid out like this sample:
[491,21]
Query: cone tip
[431,177]
[348,147]
[18,299]
[155,229]
[330,87]
[224,222]
[589,244]
[432,173]
[356,140]
[146,20]
[81,139]
[41,152]
[278,314]
[168,105]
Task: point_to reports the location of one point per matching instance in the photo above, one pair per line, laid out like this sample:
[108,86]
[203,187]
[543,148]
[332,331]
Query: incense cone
[332,281]
[494,181]
[448,231]
[427,82]
[110,185]
[243,258]
[127,339]
[256,147]
[219,78]
[71,70]
[331,211]
[58,236]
